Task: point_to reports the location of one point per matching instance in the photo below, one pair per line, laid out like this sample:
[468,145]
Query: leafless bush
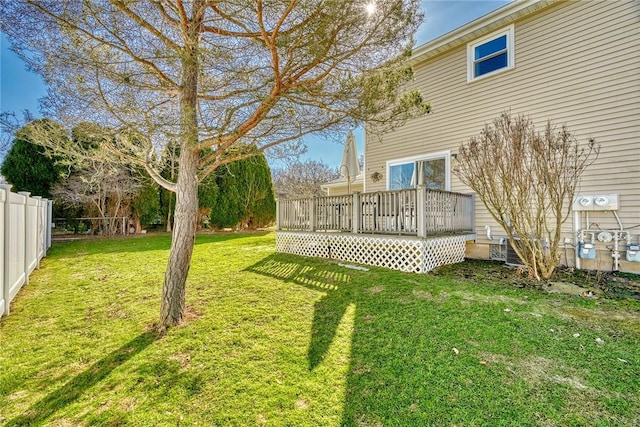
[527,180]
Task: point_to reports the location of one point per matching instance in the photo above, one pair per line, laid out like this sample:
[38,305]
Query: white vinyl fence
[25,223]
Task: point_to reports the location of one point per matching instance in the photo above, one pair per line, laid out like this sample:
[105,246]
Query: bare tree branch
[220,80]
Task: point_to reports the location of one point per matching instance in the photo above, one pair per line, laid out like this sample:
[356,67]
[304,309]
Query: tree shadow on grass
[72,390]
[328,310]
[402,370]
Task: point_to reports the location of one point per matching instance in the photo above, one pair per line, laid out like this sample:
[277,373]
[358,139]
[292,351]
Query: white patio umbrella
[350,167]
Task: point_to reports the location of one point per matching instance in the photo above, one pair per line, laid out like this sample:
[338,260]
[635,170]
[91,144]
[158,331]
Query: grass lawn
[279,340]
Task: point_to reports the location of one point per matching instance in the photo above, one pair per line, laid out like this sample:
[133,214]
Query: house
[574,62]
[342,186]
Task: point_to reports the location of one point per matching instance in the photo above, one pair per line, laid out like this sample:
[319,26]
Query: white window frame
[430,156]
[511,53]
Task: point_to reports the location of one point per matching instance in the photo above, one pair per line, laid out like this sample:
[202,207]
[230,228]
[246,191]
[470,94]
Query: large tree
[101,191]
[29,168]
[216,77]
[99,187]
[239,194]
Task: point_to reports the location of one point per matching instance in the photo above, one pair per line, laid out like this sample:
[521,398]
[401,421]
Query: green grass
[279,340]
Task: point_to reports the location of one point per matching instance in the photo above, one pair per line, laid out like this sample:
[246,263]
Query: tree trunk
[185,217]
[182,241]
[173,176]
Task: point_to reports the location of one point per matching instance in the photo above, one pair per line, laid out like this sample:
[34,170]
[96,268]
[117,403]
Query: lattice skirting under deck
[397,253]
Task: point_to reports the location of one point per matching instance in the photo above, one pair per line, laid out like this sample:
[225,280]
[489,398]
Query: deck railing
[418,212]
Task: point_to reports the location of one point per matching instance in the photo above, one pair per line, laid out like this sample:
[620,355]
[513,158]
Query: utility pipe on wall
[576,229]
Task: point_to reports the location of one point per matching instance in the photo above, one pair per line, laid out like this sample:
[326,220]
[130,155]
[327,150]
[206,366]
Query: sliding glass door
[431,171]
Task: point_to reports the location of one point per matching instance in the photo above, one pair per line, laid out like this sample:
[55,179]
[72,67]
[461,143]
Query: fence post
[421,215]
[4,273]
[356,213]
[49,224]
[38,223]
[27,243]
[9,236]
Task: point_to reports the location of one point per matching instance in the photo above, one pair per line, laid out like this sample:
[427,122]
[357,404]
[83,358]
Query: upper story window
[491,54]
[431,171]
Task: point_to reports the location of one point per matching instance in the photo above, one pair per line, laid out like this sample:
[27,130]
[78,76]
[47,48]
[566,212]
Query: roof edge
[482,25]
[342,182]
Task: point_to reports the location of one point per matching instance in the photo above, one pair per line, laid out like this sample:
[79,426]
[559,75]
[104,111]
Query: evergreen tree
[240,194]
[262,209]
[28,168]
[146,204]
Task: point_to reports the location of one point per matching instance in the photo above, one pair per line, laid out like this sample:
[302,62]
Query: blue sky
[20,89]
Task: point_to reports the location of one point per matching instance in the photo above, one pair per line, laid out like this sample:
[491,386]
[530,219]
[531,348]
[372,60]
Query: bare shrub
[527,180]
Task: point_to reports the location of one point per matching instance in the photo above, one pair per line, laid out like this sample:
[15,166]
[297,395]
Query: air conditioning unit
[512,257]
[498,252]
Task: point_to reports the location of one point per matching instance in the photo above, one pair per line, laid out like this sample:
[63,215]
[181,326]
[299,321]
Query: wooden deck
[417,212]
[410,230]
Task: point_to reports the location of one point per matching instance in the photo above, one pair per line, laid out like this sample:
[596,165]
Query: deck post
[356,213]
[421,207]
[277,214]
[312,214]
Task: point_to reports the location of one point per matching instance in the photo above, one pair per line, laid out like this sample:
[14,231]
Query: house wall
[341,190]
[576,63]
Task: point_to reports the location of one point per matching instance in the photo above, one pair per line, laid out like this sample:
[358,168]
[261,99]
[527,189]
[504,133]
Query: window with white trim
[430,170]
[491,54]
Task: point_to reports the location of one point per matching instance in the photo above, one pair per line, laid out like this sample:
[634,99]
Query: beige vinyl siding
[576,63]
